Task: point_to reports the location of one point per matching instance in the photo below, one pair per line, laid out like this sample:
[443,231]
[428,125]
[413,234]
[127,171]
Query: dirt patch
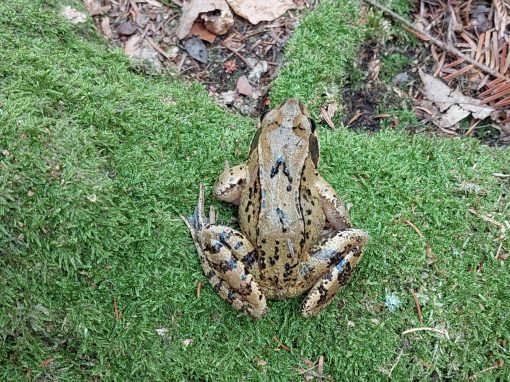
[237,67]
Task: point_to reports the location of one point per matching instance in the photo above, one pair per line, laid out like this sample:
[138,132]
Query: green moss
[99,161]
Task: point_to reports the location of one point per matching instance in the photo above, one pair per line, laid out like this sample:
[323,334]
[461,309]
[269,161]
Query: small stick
[281,344]
[320,367]
[199,289]
[443,332]
[396,362]
[116,309]
[418,307]
[436,41]
[410,224]
[238,55]
[491,221]
[497,365]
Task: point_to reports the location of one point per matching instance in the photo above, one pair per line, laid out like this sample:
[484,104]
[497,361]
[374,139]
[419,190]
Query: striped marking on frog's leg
[227,273]
[331,266]
[226,257]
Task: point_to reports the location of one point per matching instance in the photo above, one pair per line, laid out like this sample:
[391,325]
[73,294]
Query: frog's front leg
[331,263]
[230,183]
[227,258]
[333,207]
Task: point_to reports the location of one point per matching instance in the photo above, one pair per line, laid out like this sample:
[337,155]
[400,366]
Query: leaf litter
[468,43]
[233,47]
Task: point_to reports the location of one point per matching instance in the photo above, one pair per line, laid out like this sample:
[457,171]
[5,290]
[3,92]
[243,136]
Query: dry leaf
[73,15]
[94,7]
[218,23]
[196,49]
[92,198]
[105,27]
[261,362]
[261,10]
[244,87]
[127,28]
[230,66]
[191,11]
[453,104]
[132,46]
[199,30]
[47,361]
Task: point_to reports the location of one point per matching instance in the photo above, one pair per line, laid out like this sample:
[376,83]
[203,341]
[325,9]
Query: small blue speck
[340,266]
[392,302]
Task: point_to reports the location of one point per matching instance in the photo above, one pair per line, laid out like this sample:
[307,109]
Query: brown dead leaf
[191,11]
[105,27]
[431,259]
[261,10]
[244,87]
[127,28]
[94,7]
[132,46]
[218,23]
[47,361]
[230,66]
[453,104]
[199,30]
[327,118]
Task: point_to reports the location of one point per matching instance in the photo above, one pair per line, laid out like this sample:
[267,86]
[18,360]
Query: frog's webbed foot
[226,257]
[331,264]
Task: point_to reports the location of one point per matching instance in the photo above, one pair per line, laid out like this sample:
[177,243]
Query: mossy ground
[99,161]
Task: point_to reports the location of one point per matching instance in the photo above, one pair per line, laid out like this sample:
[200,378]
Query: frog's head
[292,123]
[292,115]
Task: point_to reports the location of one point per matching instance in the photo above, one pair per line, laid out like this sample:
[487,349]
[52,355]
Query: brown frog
[284,204]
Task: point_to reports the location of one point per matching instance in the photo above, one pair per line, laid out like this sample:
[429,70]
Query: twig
[238,55]
[443,332]
[199,289]
[320,367]
[418,307]
[396,362]
[410,224]
[497,365]
[491,221]
[116,309]
[281,344]
[155,46]
[431,38]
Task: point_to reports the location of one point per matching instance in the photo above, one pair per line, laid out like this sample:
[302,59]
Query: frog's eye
[312,124]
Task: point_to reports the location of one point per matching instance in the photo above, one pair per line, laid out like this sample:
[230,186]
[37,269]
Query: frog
[295,235]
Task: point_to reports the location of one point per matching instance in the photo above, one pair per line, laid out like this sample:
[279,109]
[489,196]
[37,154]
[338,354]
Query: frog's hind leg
[329,267]
[226,257]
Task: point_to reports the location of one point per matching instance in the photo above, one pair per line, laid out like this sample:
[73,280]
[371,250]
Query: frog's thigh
[230,183]
[333,207]
[331,265]
[227,259]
